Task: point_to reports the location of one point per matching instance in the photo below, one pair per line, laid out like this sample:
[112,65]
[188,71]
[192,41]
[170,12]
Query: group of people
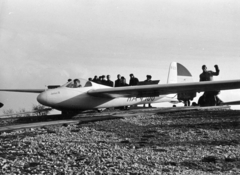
[102,80]
[208,98]
[121,80]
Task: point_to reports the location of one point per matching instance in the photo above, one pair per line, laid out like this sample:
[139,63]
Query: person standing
[118,81]
[109,82]
[100,79]
[149,78]
[209,98]
[133,80]
[95,79]
[123,81]
[207,75]
[104,81]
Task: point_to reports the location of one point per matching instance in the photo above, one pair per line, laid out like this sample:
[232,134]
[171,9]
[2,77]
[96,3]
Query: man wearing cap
[133,80]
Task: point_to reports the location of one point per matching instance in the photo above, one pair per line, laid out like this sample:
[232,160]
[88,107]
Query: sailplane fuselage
[78,98]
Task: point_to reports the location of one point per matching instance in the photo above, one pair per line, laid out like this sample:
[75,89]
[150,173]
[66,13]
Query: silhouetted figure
[207,75]
[118,81]
[209,98]
[133,80]
[104,81]
[149,78]
[69,79]
[89,79]
[95,79]
[1,105]
[98,80]
[123,81]
[109,82]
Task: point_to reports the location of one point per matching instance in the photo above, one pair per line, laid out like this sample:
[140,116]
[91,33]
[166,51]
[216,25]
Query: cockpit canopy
[77,83]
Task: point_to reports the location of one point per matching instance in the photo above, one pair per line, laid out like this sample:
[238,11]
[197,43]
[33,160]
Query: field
[188,142]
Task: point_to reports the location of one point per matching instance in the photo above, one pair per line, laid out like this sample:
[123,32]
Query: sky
[45,42]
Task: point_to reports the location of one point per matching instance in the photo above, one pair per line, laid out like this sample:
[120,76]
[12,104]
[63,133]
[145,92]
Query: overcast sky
[45,42]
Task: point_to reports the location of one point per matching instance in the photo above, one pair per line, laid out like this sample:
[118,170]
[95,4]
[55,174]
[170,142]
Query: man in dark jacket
[95,79]
[109,82]
[123,81]
[207,75]
[118,81]
[209,98]
[133,80]
[149,78]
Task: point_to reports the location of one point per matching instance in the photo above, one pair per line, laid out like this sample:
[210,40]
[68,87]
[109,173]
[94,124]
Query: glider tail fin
[178,74]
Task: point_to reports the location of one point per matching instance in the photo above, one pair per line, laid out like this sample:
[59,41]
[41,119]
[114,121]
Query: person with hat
[133,80]
[149,78]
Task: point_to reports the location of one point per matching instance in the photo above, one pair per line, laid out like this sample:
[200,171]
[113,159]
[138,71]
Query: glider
[90,95]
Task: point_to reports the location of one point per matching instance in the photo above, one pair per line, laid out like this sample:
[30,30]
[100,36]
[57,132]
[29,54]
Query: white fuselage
[64,98]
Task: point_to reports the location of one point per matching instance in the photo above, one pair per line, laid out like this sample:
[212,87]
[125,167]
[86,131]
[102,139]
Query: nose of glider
[42,98]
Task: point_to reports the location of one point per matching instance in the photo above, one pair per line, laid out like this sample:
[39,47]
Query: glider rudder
[183,74]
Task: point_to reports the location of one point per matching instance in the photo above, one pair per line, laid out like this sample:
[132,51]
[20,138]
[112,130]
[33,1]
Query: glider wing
[24,90]
[164,89]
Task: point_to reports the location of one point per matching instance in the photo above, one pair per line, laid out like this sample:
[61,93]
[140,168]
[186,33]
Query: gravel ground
[197,142]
